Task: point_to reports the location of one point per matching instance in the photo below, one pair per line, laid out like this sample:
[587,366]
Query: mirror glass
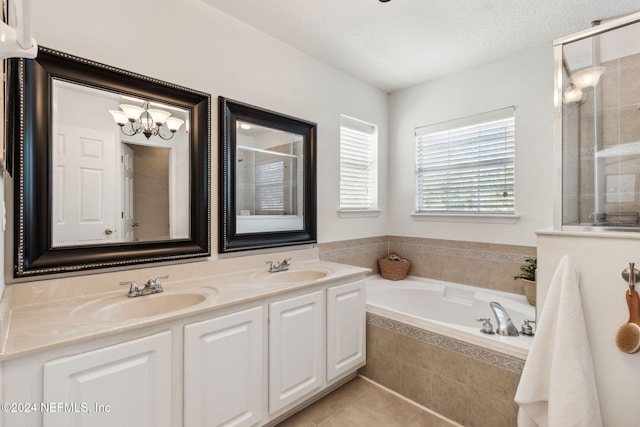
[269,184]
[109,186]
[109,168]
[267,180]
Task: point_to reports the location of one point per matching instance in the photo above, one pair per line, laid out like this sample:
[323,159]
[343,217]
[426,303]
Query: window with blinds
[467,165]
[270,188]
[358,165]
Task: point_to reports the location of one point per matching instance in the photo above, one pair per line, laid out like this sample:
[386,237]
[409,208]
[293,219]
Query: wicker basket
[392,269]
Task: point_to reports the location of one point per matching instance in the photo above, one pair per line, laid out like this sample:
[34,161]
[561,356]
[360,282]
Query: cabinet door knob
[108,231]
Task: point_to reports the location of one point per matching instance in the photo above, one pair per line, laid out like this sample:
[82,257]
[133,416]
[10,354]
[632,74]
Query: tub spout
[505,325]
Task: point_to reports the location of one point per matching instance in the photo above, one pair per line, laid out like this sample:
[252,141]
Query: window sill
[454,217]
[359,213]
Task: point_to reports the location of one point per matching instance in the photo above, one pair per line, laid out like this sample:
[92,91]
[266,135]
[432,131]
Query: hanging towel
[558,387]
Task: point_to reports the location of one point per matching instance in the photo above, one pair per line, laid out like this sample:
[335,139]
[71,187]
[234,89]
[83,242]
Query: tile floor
[363,403]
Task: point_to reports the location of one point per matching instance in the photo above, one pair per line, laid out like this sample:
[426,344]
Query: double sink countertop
[31,328]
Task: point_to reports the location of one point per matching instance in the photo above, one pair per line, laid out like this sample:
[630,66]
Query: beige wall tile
[450,398]
[485,411]
[450,365]
[497,383]
[462,388]
[416,383]
[486,265]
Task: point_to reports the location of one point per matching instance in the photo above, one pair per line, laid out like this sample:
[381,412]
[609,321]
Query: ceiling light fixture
[572,94]
[588,77]
[144,120]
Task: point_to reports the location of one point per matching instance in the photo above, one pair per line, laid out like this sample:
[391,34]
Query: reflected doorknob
[108,231]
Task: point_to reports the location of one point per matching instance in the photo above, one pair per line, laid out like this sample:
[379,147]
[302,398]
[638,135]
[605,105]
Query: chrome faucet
[505,325]
[153,286]
[275,267]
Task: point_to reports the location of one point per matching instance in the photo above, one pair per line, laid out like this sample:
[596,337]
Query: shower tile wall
[484,265]
[619,91]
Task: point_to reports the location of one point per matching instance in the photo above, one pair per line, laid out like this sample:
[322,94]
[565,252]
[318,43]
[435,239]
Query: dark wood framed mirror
[267,177]
[70,215]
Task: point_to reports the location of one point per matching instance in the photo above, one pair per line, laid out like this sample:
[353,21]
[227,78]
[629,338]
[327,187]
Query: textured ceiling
[400,43]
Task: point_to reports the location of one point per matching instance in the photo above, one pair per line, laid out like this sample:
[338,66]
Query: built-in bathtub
[423,341]
[450,309]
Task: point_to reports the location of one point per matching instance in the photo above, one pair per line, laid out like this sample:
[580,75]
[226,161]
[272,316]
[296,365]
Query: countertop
[32,328]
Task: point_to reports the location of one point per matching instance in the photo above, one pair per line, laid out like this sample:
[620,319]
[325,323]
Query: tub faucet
[505,325]
[275,267]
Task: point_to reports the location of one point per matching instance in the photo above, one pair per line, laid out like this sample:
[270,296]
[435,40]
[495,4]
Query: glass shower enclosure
[597,127]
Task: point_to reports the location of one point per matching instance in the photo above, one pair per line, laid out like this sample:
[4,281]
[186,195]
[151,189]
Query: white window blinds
[467,165]
[270,187]
[358,165]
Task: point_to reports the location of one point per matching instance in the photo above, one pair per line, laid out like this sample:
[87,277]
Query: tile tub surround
[465,383]
[358,252]
[485,265]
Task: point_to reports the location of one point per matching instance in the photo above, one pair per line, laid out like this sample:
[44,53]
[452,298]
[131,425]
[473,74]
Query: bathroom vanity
[235,349]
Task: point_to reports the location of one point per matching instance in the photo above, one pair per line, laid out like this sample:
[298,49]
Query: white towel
[558,386]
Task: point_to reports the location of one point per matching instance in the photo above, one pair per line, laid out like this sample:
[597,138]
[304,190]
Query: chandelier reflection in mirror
[133,119]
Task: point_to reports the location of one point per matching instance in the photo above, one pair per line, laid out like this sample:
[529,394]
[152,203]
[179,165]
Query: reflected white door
[128,211]
[84,207]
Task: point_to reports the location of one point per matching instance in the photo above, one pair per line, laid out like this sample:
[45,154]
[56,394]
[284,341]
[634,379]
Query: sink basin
[123,308]
[293,276]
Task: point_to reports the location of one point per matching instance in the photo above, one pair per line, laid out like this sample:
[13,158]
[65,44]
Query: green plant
[528,269]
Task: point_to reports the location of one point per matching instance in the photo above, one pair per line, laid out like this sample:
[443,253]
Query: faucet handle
[487,327]
[155,285]
[526,328]
[271,265]
[134,291]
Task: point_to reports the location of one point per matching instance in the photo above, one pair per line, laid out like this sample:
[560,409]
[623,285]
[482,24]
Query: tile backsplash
[486,265]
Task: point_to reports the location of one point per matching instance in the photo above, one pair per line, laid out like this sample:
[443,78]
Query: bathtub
[450,310]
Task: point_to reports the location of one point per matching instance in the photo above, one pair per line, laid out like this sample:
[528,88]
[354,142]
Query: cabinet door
[346,328]
[296,353]
[223,370]
[127,384]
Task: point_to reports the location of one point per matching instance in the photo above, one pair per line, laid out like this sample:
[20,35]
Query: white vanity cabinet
[346,328]
[245,363]
[296,348]
[122,384]
[223,370]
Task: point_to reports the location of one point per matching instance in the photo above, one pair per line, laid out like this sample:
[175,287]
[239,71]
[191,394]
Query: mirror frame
[230,112]
[29,138]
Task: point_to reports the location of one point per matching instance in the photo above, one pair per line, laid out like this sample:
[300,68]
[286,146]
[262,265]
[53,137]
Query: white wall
[192,44]
[523,80]
[601,257]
